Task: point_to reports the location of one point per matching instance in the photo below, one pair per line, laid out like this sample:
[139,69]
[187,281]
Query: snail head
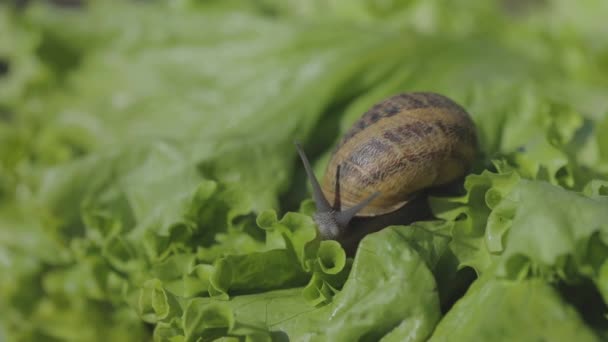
[331,219]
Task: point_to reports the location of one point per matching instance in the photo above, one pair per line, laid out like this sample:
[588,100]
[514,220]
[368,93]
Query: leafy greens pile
[149,188]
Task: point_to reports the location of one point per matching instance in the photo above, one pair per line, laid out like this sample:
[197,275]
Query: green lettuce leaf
[503,310]
[388,271]
[553,231]
[474,242]
[512,222]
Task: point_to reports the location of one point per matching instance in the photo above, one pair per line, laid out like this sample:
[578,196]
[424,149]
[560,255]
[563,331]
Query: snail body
[401,146]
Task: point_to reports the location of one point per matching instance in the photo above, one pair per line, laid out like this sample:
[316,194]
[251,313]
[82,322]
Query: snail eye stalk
[337,201]
[317,193]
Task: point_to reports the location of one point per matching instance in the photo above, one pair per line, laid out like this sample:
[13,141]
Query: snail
[400,147]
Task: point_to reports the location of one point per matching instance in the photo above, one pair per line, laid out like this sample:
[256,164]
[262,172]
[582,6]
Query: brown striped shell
[403,144]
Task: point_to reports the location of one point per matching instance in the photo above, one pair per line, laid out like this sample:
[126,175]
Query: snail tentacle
[317,193]
[337,200]
[343,217]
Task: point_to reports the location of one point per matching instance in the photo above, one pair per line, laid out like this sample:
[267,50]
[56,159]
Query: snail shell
[402,145]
